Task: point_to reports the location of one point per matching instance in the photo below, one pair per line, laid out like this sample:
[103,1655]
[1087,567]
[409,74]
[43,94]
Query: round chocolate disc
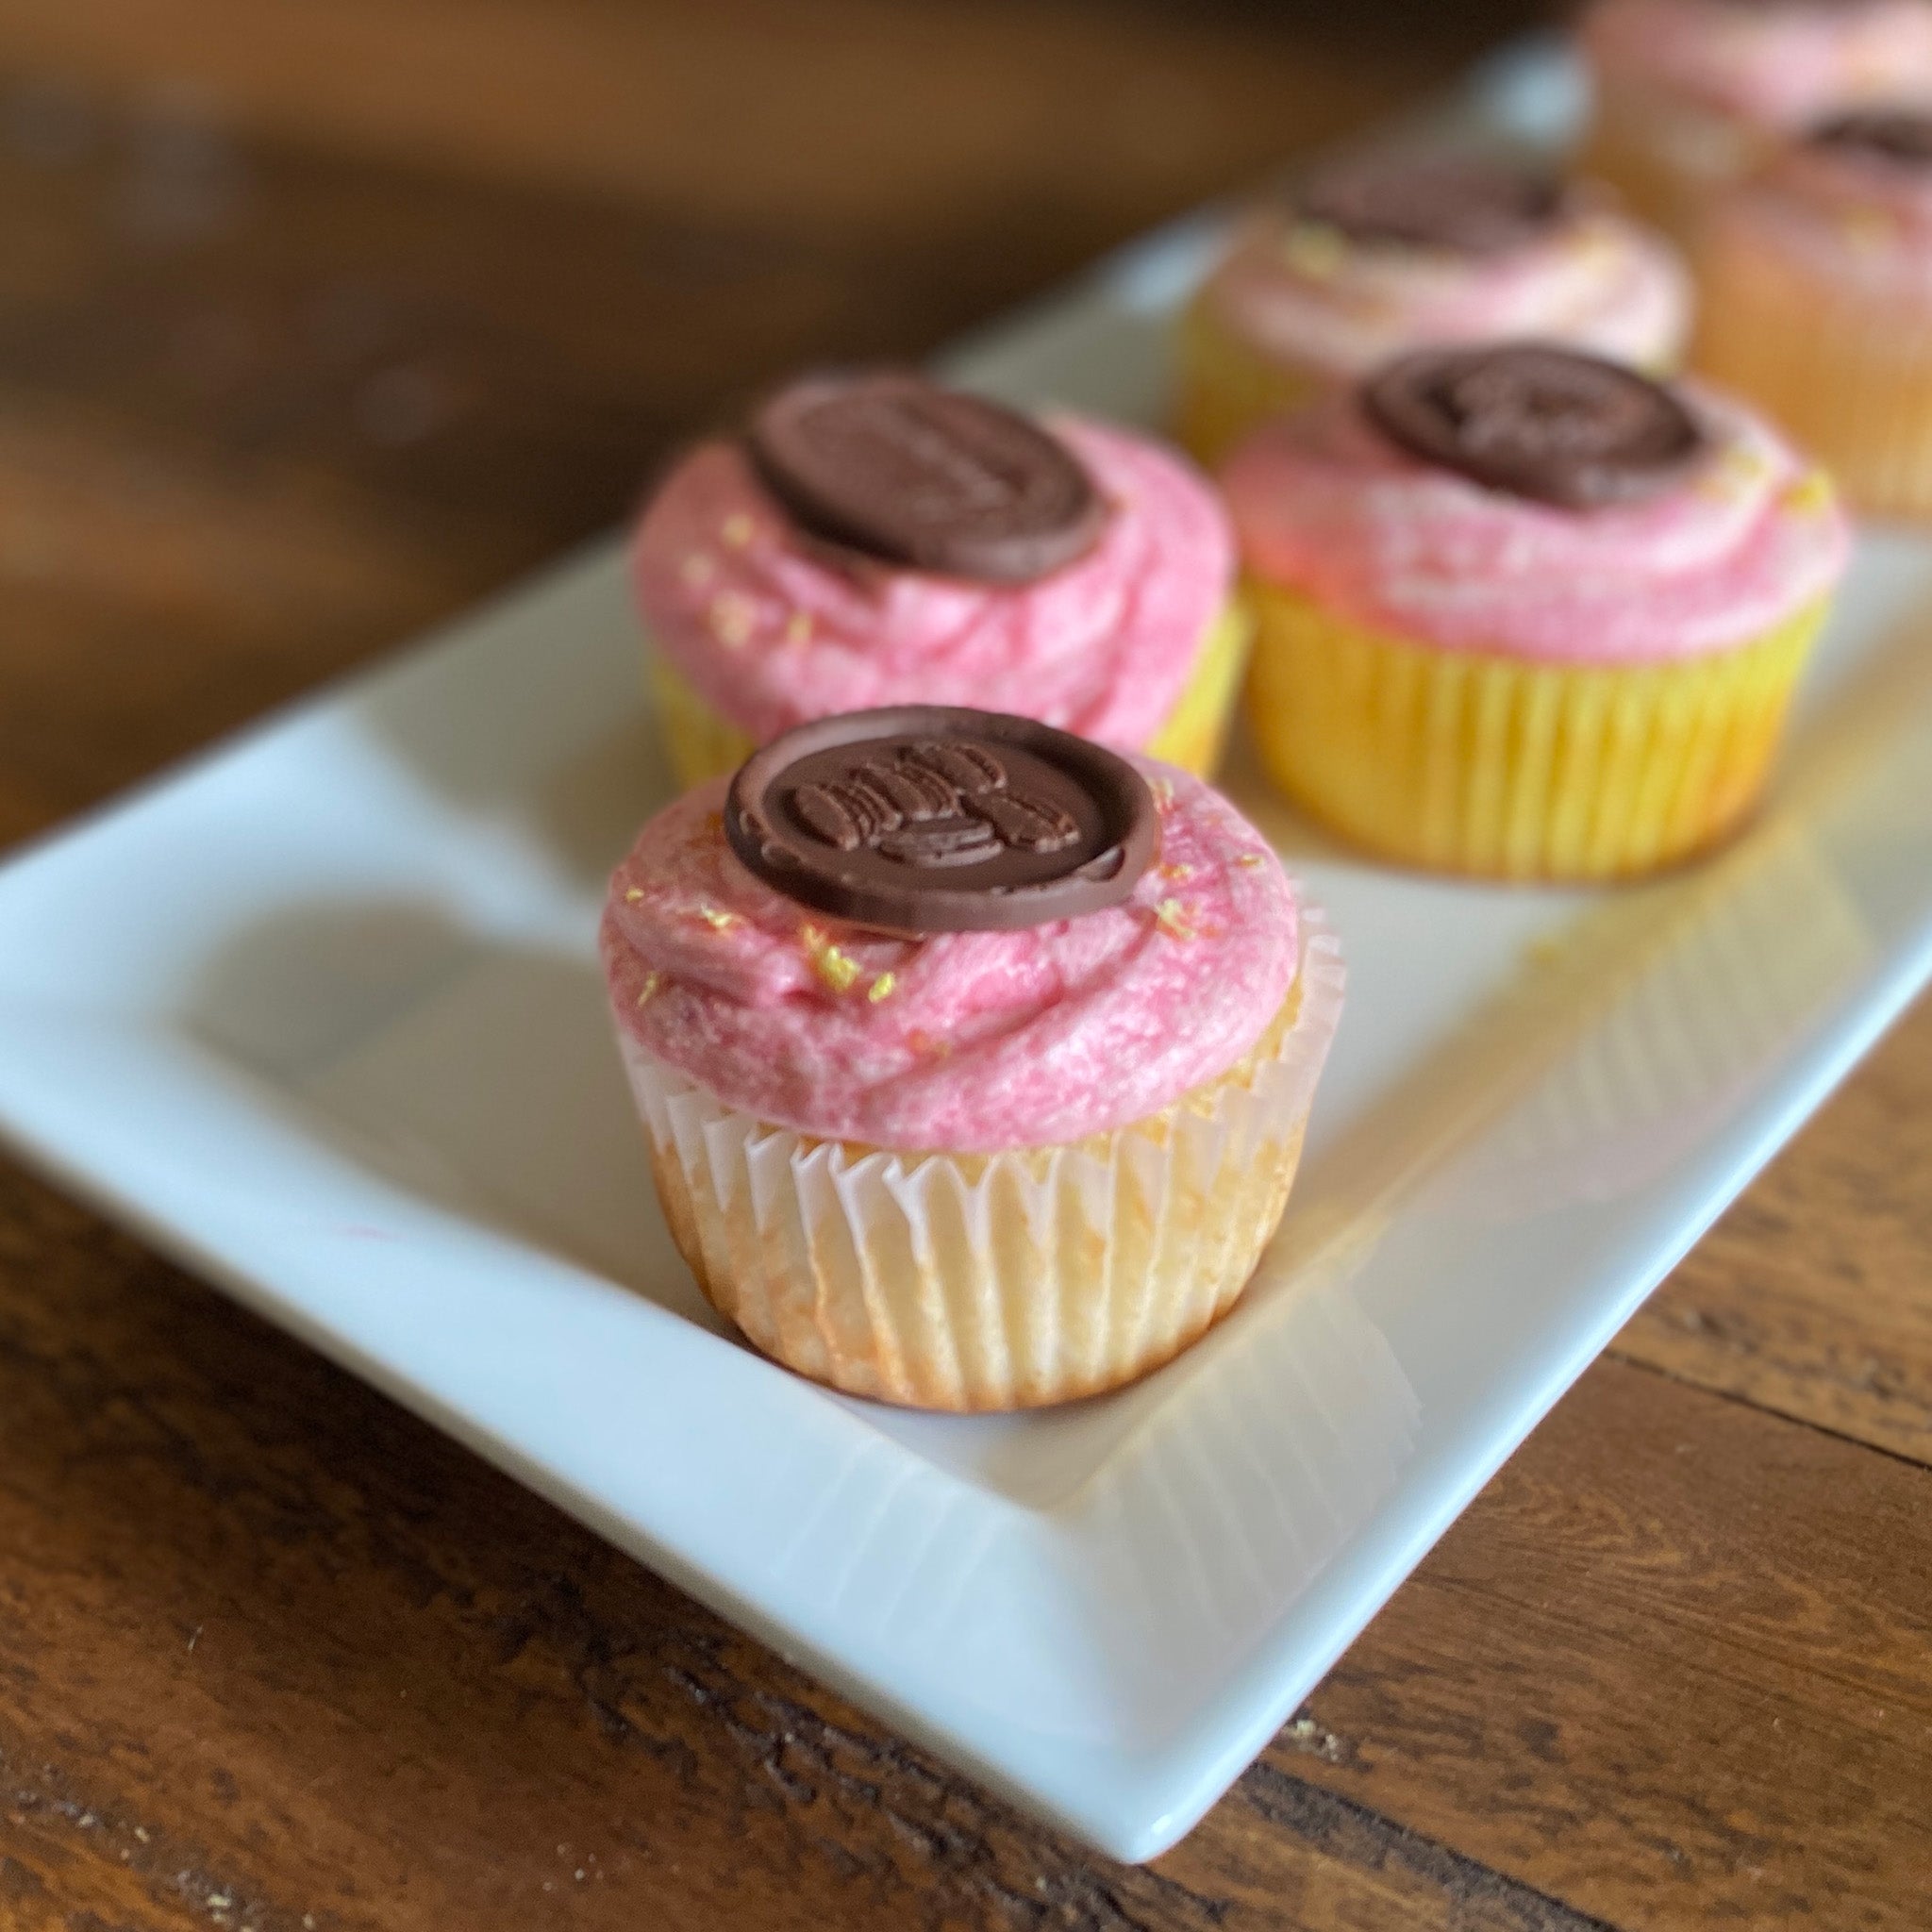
[1538,421]
[1462,204]
[1898,137]
[888,463]
[924,818]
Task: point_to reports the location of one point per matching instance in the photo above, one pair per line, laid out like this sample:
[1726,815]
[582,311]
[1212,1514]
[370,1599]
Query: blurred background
[321,318]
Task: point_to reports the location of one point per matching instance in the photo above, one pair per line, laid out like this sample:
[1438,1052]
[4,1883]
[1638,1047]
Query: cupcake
[972,1057]
[1818,274]
[1690,94]
[876,540]
[1524,613]
[1367,260]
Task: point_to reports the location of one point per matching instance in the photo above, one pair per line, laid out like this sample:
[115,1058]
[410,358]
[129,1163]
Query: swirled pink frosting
[772,628]
[1777,66]
[966,1041]
[1313,298]
[1327,504]
[1854,222]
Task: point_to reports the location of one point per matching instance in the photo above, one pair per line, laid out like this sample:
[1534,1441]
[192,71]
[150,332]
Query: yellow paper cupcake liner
[1224,387]
[1476,762]
[699,742]
[702,746]
[1849,376]
[993,1281]
[1666,157]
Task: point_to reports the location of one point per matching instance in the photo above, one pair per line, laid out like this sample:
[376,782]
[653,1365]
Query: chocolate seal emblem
[924,819]
[1459,204]
[894,466]
[1542,421]
[1898,137]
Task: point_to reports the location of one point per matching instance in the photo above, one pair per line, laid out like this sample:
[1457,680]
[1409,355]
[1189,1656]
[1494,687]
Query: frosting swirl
[774,627]
[1329,505]
[970,1041]
[1312,293]
[1775,66]
[1850,209]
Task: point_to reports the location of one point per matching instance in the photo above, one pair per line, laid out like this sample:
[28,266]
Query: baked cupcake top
[1076,940]
[1373,257]
[1524,498]
[877,540]
[1852,200]
[1772,63]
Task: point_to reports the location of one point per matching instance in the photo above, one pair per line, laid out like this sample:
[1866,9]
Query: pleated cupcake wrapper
[703,745]
[1196,729]
[1225,388]
[974,1281]
[1666,157]
[1848,375]
[1479,763]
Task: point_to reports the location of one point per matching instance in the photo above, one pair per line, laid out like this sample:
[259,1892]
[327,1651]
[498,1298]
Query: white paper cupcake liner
[976,1281]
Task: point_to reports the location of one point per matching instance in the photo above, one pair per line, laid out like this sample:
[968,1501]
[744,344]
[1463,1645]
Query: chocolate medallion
[922,819]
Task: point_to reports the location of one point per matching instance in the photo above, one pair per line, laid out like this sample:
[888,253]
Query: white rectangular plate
[319,1016]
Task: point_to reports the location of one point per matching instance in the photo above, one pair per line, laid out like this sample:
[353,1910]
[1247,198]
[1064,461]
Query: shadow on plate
[478,1074]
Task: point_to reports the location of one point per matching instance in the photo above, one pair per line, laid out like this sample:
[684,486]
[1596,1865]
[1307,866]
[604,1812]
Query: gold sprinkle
[718,919]
[738,530]
[631,897]
[798,627]
[733,618]
[882,988]
[652,982]
[1811,496]
[1171,916]
[1250,859]
[837,970]
[698,570]
[1178,873]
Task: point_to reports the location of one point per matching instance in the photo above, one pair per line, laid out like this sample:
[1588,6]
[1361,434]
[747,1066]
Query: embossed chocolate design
[933,804]
[1462,203]
[1538,421]
[1896,137]
[924,819]
[894,466]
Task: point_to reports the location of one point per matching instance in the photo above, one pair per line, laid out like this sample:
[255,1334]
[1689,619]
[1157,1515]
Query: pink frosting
[773,629]
[1324,503]
[965,1042]
[1772,65]
[1596,281]
[1853,222]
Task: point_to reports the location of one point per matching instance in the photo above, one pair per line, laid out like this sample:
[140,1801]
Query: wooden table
[315,322]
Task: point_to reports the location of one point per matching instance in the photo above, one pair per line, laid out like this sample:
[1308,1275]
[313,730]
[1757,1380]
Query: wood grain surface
[315,324]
